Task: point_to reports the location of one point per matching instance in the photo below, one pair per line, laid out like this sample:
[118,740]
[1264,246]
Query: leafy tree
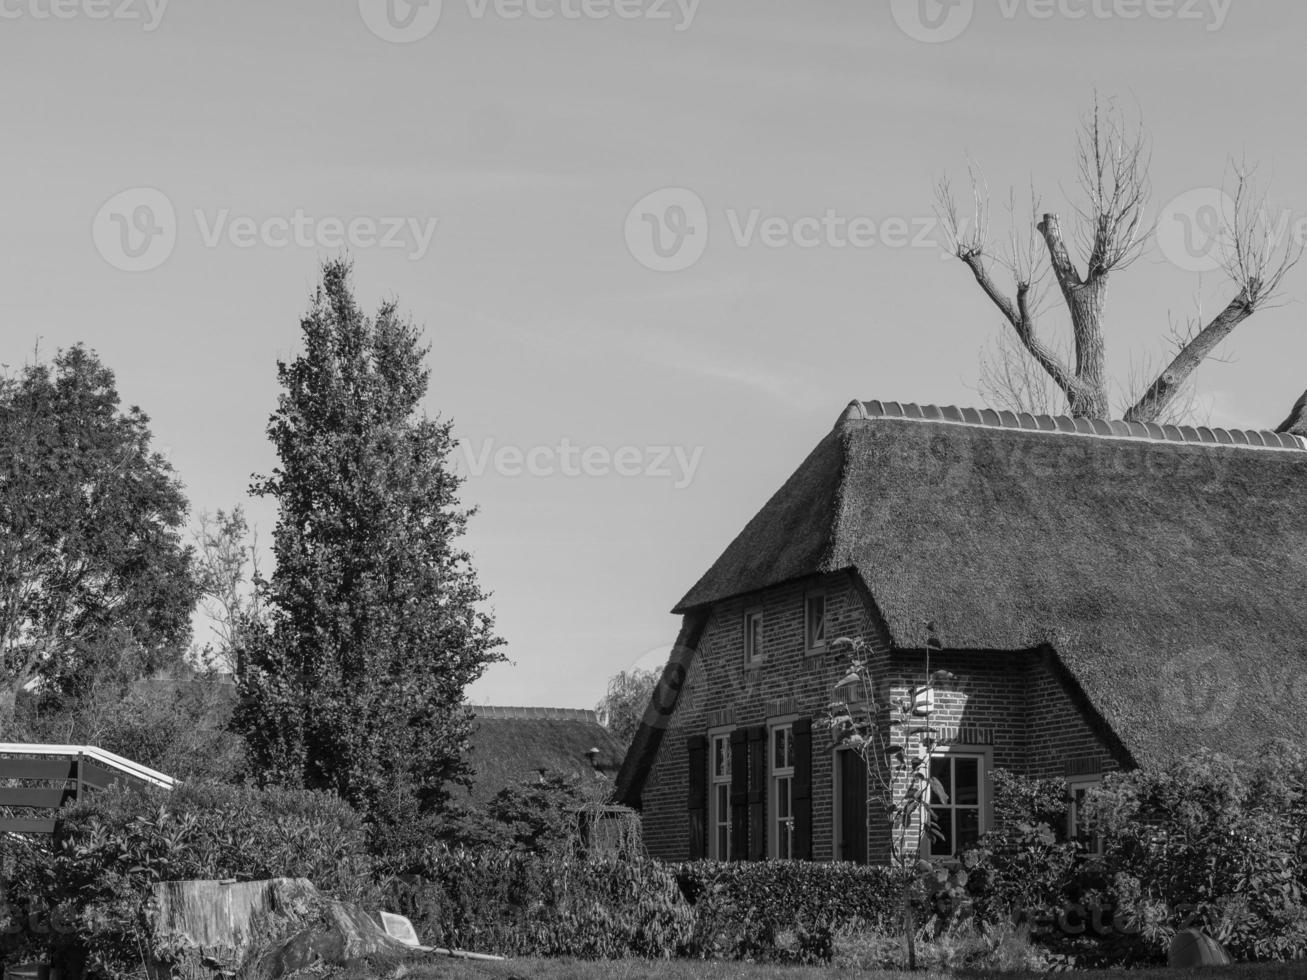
[354,681]
[95,582]
[625,702]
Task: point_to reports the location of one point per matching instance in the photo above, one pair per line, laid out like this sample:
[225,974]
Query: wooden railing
[46,777]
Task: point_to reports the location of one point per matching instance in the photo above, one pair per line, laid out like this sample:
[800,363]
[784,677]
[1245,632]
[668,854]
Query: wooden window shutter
[801,789]
[739,795]
[758,793]
[696,750]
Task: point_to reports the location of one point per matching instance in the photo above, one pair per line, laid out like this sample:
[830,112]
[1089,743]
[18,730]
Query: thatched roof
[1167,568]
[511,745]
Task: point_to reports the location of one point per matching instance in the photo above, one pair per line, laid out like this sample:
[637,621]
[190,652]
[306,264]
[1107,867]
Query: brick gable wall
[1012,703]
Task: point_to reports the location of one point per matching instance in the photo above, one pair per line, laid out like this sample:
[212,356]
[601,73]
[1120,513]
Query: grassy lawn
[686,970]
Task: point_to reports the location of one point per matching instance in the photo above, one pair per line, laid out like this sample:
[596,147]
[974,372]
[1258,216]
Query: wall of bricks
[1011,703]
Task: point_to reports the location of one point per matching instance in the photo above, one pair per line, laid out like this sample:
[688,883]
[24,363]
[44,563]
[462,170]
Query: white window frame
[810,644]
[779,777]
[1074,785]
[753,655]
[719,803]
[984,756]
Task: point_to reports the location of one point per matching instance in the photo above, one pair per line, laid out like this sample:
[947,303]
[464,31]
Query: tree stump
[258,930]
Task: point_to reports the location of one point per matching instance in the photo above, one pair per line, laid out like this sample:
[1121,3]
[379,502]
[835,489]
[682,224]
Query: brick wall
[1013,704]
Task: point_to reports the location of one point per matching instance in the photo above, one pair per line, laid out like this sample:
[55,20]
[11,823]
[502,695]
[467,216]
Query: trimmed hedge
[783,911]
[93,890]
[556,905]
[516,904]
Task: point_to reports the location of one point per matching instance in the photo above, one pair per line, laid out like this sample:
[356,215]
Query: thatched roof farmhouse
[1110,595]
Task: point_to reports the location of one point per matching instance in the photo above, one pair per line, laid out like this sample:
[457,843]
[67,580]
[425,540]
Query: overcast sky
[175,172]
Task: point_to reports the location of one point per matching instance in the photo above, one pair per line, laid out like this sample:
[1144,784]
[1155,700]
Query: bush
[783,911]
[111,849]
[1213,842]
[518,904]
[1026,865]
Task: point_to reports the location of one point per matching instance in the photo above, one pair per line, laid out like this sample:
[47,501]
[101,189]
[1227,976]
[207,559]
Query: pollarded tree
[1110,231]
[95,581]
[354,679]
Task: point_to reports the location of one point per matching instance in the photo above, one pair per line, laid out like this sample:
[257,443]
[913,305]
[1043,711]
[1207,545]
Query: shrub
[1026,865]
[1213,842]
[783,911]
[518,904]
[111,849]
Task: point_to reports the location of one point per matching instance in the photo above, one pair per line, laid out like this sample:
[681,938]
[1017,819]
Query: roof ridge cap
[508,713]
[869,411]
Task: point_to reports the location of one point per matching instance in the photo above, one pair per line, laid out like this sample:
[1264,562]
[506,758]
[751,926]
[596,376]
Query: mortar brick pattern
[1012,700]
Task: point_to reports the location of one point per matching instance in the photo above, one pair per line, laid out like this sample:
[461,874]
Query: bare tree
[1110,232]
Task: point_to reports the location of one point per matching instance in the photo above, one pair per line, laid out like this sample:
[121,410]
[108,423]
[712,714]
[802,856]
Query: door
[851,807]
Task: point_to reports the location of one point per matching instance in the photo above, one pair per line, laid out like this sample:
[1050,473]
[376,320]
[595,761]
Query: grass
[693,970]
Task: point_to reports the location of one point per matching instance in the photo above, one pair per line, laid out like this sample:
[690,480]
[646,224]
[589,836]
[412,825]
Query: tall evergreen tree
[354,679]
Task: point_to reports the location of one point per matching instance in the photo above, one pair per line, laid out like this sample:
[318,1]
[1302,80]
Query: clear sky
[259,137]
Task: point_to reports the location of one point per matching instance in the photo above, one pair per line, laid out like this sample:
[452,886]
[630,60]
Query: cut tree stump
[259,930]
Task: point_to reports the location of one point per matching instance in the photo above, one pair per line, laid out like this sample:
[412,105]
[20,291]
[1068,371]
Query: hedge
[92,891]
[516,904]
[783,911]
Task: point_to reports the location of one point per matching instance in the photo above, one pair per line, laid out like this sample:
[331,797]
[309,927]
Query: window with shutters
[960,811]
[719,799]
[782,791]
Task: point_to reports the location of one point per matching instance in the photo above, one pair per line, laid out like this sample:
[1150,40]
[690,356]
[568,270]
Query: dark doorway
[851,807]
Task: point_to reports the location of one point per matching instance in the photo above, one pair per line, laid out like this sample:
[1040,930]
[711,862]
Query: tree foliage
[95,581]
[626,700]
[226,565]
[372,629]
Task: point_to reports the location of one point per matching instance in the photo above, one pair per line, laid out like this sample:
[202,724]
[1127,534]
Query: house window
[782,784]
[1078,827]
[719,799]
[960,816]
[815,618]
[753,636]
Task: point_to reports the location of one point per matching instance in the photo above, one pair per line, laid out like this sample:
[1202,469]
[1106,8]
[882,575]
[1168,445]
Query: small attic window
[753,636]
[815,621]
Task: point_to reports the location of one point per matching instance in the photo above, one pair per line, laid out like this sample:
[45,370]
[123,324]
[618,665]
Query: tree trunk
[1296,423]
[1172,379]
[1085,300]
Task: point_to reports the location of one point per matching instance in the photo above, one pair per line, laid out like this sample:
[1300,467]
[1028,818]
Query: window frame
[984,756]
[718,820]
[753,654]
[809,644]
[776,776]
[1074,784]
